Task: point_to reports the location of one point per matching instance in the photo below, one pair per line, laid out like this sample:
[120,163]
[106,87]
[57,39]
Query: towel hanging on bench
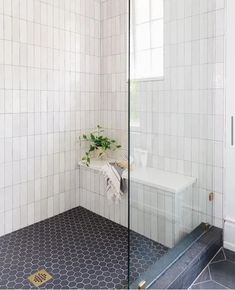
[116,185]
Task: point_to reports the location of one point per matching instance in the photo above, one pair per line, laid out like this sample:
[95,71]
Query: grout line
[224,253]
[217,262]
[201,282]
[226,258]
[205,268]
[220,284]
[210,281]
[209,271]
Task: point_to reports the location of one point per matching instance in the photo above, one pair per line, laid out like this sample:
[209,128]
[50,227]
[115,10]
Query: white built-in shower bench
[160,202]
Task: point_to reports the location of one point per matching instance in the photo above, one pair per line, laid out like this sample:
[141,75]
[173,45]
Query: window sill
[147,79]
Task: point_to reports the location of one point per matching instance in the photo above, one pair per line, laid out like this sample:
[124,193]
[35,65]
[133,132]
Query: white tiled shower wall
[61,74]
[114,85]
[182,116]
[49,87]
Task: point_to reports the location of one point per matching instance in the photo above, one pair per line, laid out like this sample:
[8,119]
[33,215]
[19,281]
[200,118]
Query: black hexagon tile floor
[79,249]
[219,274]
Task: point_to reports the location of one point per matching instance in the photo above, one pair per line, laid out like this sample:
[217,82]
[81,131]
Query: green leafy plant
[98,143]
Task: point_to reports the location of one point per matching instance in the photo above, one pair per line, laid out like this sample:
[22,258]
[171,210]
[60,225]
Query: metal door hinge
[211,196]
[207,227]
[232,130]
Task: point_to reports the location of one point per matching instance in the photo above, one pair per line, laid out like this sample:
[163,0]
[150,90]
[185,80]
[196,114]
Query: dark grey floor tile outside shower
[221,271]
[230,256]
[224,273]
[79,249]
[208,285]
[204,276]
[219,257]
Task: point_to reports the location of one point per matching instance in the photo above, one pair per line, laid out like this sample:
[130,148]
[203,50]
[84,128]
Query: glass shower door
[172,86]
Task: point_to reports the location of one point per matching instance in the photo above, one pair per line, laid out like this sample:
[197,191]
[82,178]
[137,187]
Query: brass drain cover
[39,278]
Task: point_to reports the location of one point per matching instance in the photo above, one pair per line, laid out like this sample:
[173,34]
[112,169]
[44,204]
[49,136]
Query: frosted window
[157,33]
[142,11]
[143,63]
[157,62]
[147,39]
[157,9]
[142,37]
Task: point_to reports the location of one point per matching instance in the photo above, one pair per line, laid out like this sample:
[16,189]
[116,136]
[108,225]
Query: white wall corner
[229,235]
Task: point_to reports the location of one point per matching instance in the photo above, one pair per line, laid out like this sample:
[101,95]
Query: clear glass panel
[171,129]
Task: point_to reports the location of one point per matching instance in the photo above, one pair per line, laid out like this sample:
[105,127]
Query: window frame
[133,38]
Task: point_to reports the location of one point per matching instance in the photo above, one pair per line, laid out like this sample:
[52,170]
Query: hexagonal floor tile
[79,249]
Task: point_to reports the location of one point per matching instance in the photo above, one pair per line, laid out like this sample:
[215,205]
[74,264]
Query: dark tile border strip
[186,269]
[201,254]
[155,271]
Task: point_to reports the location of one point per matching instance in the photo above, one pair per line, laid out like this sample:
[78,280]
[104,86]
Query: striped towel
[116,185]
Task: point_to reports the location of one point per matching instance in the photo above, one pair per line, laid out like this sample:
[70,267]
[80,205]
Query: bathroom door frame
[229,152]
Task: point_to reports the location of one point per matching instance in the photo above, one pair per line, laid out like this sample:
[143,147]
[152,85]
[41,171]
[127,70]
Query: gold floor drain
[39,278]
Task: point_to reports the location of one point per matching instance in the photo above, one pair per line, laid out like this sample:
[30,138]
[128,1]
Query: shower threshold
[183,263]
